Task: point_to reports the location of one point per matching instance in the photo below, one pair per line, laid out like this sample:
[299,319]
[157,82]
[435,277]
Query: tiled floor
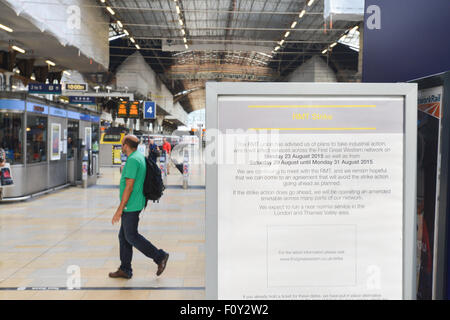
[44,241]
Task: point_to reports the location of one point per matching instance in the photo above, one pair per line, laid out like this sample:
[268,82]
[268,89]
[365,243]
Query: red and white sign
[430,101]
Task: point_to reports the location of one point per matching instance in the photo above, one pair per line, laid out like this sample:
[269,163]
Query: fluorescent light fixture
[354,28]
[324,51]
[33,78]
[277,48]
[181,22]
[178,9]
[126,32]
[117,37]
[302,13]
[50,63]
[281,42]
[333,45]
[137,46]
[184,39]
[66,73]
[265,54]
[310,3]
[18,49]
[17,71]
[14,87]
[5,28]
[187,47]
[132,40]
[183,32]
[293,24]
[120,24]
[110,10]
[287,34]
[102,1]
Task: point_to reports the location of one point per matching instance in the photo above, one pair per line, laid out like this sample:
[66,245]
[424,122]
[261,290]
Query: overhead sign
[44,88]
[149,110]
[133,111]
[76,87]
[128,109]
[314,184]
[82,100]
[122,112]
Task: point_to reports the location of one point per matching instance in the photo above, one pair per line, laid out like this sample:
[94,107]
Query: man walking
[167,148]
[132,201]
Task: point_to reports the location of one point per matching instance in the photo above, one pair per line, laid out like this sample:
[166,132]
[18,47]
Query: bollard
[186,169]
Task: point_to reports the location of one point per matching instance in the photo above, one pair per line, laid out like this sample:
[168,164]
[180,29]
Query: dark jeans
[129,238]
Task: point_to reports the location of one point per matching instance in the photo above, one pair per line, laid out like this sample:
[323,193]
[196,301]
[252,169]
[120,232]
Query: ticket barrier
[163,166]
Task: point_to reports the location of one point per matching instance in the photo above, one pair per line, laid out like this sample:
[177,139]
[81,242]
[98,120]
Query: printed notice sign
[310,197]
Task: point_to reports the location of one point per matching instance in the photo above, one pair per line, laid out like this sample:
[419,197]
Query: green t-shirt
[135,168]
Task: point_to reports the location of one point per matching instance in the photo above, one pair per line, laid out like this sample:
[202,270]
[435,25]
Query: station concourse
[49,236]
[286,149]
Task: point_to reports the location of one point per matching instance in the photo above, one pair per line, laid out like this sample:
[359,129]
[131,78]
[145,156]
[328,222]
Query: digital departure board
[129,109]
[122,111]
[133,111]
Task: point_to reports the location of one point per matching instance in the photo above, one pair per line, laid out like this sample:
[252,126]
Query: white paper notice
[316,209]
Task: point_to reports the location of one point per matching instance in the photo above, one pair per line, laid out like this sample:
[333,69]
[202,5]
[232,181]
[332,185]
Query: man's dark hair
[132,144]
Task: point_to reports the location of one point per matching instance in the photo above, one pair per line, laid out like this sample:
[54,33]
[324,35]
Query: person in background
[132,202]
[167,149]
[153,150]
[70,147]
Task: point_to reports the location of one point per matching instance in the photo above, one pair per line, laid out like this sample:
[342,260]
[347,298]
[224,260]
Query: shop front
[40,139]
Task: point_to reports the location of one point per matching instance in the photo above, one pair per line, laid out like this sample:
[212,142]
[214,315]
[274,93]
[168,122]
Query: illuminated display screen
[129,109]
[133,111]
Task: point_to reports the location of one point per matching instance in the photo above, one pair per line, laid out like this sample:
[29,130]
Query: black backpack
[153,184]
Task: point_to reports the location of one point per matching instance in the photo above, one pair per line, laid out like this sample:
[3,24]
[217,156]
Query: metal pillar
[186,169]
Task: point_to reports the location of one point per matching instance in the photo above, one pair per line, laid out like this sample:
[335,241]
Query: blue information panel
[405,39]
[82,100]
[149,110]
[44,88]
[57,112]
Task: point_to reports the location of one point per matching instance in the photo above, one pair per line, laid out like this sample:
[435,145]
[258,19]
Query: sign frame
[84,100]
[148,115]
[406,91]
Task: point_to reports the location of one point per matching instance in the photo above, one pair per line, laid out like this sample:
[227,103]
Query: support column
[160,120]
[8,80]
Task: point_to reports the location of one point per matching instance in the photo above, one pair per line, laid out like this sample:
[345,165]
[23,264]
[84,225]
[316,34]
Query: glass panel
[95,137]
[72,137]
[11,137]
[36,139]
